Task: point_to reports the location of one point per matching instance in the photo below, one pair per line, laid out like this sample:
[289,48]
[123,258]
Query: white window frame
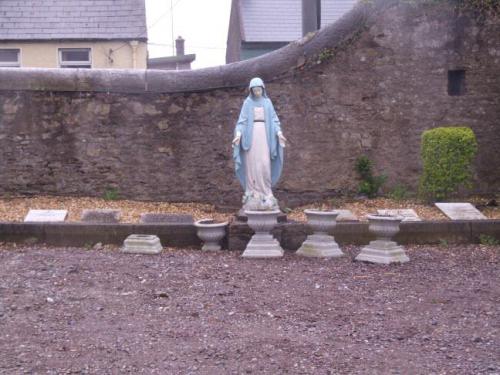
[12,64]
[75,64]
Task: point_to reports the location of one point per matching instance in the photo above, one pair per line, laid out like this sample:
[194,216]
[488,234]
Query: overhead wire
[150,26]
[170,45]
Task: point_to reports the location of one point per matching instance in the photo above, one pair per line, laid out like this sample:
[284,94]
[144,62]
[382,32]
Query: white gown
[258,192]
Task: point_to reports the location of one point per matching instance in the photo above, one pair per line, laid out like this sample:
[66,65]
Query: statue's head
[257,88]
[257,91]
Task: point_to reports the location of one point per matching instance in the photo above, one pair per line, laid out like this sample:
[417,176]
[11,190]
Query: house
[257,27]
[73,33]
[180,61]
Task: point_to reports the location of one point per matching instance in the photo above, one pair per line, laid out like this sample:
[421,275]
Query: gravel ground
[72,310]
[16,208]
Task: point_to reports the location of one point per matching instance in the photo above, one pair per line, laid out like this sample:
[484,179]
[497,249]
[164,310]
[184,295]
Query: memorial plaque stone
[460,211]
[46,216]
[104,216]
[407,214]
[152,218]
[346,215]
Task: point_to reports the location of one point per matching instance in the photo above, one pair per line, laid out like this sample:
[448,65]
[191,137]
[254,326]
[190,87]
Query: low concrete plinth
[263,245]
[383,252]
[142,244]
[320,245]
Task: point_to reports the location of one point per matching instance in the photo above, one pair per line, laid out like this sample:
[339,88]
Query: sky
[202,23]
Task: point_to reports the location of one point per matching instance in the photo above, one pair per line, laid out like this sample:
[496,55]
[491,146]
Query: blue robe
[245,127]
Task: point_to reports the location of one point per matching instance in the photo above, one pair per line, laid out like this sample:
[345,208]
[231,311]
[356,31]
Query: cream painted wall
[45,54]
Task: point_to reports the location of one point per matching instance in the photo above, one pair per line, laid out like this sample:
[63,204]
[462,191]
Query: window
[74,58]
[456,82]
[9,57]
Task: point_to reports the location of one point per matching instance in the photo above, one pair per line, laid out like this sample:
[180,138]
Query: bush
[111,194]
[447,155]
[398,193]
[370,184]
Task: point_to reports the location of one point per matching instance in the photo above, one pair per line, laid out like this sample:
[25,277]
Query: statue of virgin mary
[258,149]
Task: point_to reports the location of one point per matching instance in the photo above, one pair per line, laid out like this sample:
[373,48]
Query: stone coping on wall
[269,67]
[290,234]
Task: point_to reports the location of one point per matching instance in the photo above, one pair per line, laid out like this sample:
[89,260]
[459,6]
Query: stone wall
[369,84]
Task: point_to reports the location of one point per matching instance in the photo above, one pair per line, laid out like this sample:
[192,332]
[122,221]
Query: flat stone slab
[142,244]
[46,216]
[346,215]
[101,216]
[154,218]
[408,214]
[460,211]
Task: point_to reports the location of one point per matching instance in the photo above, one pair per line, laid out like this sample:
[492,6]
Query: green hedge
[447,155]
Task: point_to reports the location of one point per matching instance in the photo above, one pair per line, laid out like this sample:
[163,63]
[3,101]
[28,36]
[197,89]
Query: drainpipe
[134,44]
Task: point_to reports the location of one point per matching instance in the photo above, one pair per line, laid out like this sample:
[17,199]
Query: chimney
[311,16]
[179,46]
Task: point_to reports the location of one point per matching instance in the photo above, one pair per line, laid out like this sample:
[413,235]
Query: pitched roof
[281,20]
[72,19]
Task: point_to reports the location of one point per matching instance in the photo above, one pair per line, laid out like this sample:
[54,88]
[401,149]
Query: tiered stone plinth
[262,244]
[320,244]
[383,250]
[142,244]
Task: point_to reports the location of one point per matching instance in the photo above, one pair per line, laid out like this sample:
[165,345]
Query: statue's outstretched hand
[236,140]
[282,139]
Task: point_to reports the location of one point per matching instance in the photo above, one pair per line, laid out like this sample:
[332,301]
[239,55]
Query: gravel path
[15,208]
[72,310]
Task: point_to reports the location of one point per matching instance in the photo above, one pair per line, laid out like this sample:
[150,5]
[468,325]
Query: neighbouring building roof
[281,20]
[160,62]
[72,19]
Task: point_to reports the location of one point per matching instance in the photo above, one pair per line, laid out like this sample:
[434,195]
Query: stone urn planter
[383,250]
[320,243]
[211,233]
[262,244]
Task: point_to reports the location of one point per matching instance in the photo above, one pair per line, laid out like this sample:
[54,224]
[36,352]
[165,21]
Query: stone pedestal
[383,250]
[142,244]
[262,244]
[320,244]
